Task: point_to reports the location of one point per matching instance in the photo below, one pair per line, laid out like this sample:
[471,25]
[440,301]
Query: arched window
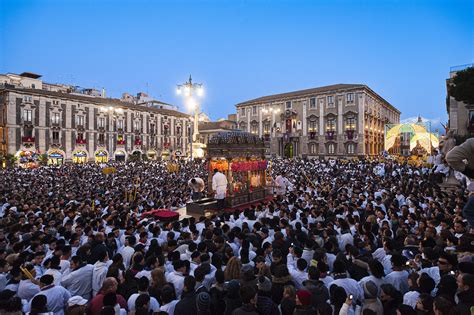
[331,124]
[350,123]
[266,127]
[351,148]
[331,148]
[254,127]
[313,148]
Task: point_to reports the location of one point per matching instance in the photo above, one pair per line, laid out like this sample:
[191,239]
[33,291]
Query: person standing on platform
[219,186]
[282,183]
[197,186]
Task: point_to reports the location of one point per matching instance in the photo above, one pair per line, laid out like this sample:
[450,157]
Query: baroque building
[337,120]
[68,124]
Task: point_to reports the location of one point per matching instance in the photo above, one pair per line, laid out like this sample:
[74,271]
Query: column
[248,119]
[260,124]
[360,118]
[305,103]
[340,129]
[196,126]
[272,128]
[321,119]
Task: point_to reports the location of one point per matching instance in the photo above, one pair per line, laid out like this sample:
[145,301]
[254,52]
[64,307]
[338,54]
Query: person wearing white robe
[282,184]
[99,272]
[79,280]
[219,186]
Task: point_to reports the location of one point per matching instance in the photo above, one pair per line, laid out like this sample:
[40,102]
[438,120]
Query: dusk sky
[240,49]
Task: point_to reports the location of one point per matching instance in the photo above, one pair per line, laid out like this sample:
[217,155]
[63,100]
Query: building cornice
[95,101]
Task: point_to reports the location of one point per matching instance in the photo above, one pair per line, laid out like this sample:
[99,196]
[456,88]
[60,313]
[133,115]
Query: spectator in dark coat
[280,278]
[265,304]
[232,299]
[288,304]
[465,294]
[248,296]
[187,305]
[319,292]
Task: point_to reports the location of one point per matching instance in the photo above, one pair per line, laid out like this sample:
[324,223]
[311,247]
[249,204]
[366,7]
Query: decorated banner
[249,166]
[172,167]
[221,165]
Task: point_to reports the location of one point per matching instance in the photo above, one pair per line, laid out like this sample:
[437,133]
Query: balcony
[330,135]
[355,137]
[312,135]
[81,141]
[349,135]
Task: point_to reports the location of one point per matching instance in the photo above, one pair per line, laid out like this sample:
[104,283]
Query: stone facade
[461,115]
[94,128]
[339,120]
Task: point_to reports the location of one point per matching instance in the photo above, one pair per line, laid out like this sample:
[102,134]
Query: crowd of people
[339,237]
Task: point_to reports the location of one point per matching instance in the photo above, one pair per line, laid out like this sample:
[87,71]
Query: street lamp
[188,90]
[272,111]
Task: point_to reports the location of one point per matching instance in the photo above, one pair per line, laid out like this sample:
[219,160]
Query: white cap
[76,300]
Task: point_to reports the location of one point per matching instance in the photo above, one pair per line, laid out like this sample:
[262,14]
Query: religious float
[241,157]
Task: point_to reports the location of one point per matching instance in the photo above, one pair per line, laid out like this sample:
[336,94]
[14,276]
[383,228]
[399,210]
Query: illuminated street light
[188,89]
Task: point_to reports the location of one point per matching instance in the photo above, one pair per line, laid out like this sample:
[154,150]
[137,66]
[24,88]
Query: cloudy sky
[242,49]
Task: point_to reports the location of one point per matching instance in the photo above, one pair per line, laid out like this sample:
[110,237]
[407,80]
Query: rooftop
[215,125]
[30,75]
[312,91]
[321,89]
[461,67]
[96,100]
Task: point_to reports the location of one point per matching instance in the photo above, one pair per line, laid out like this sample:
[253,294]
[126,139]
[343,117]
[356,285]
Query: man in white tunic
[79,280]
[57,296]
[282,183]
[219,186]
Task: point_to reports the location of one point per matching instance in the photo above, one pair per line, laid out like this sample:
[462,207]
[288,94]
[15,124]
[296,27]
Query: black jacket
[217,301]
[266,306]
[319,292]
[466,301]
[304,310]
[187,305]
[245,310]
[287,306]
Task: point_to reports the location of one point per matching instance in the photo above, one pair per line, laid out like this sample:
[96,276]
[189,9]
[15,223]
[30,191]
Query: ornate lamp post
[272,111]
[189,90]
